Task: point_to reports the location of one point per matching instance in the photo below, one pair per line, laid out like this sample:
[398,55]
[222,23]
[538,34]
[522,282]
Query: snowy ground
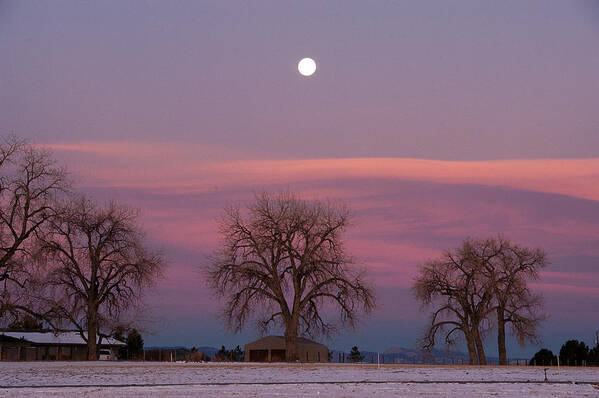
[149,379]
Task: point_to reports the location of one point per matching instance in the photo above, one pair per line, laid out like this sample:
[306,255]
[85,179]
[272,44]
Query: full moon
[306,67]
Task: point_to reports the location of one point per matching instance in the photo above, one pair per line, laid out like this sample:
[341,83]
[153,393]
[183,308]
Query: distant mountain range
[407,356]
[413,356]
[210,351]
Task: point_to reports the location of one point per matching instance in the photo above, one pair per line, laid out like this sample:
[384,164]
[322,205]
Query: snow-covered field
[149,379]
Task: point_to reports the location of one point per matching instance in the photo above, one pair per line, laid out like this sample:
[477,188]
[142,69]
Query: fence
[166,355]
[382,359]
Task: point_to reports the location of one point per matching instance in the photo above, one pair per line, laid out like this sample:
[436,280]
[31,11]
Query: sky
[433,121]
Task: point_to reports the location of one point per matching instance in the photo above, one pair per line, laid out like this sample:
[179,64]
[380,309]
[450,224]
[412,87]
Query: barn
[49,346]
[272,349]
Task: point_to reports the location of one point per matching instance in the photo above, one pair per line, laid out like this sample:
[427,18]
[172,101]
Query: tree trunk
[92,328]
[480,349]
[471,350]
[291,354]
[501,336]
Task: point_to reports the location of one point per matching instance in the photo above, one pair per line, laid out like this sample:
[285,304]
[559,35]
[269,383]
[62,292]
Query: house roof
[57,338]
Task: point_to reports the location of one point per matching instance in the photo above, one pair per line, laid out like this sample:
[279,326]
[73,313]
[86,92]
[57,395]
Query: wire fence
[398,359]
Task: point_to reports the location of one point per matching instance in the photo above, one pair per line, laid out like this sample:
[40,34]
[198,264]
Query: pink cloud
[585,291]
[183,167]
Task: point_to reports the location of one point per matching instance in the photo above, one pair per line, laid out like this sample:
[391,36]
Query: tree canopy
[573,353]
[465,286]
[96,267]
[31,183]
[355,355]
[284,262]
[543,357]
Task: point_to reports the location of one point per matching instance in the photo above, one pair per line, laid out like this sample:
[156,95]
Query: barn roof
[57,338]
[280,341]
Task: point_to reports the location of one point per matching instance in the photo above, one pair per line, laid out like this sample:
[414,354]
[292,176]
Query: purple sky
[181,107]
[443,80]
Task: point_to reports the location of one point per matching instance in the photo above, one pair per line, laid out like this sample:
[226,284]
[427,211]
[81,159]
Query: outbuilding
[49,346]
[272,349]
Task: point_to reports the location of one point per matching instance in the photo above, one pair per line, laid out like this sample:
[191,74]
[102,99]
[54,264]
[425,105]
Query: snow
[155,379]
[56,338]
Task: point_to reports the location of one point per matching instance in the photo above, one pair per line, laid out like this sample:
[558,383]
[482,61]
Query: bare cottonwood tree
[509,267]
[460,299]
[30,182]
[97,267]
[483,277]
[285,263]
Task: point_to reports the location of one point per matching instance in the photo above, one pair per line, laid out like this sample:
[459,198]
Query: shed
[272,349]
[48,346]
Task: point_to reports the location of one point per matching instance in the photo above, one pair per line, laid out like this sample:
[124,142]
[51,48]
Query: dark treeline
[572,353]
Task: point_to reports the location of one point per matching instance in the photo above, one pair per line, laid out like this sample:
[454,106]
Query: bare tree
[509,267]
[480,278]
[461,300]
[285,263]
[97,267]
[30,182]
